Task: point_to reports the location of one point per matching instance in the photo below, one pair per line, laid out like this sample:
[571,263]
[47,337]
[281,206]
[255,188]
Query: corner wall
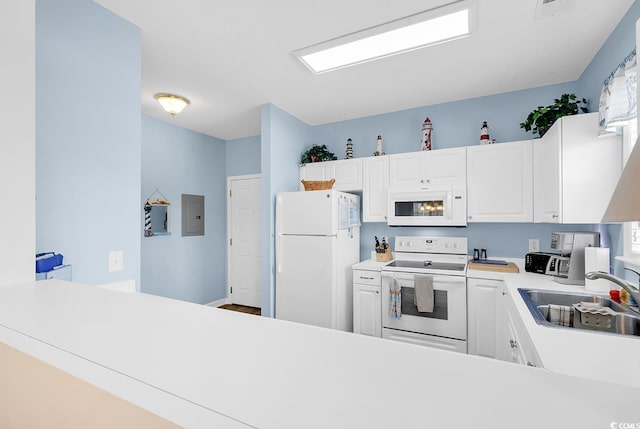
[178,161]
[17,141]
[283,138]
[88,138]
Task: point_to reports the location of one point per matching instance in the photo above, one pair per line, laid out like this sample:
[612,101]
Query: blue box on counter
[47,261]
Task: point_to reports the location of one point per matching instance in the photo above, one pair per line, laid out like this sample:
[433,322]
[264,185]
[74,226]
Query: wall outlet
[116,261]
[534,245]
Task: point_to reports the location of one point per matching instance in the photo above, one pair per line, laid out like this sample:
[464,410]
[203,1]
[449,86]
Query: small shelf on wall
[157,215]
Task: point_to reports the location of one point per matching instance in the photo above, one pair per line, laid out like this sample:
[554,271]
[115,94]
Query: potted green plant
[541,119]
[317,154]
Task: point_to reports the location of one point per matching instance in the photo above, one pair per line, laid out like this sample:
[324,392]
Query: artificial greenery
[317,154]
[540,120]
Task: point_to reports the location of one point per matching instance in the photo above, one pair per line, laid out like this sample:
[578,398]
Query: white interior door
[244,254]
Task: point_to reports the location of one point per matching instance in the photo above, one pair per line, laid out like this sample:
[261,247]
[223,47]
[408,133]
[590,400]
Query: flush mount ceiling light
[172,103]
[443,24]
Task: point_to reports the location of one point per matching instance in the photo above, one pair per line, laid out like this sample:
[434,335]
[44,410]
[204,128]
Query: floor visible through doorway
[241,309]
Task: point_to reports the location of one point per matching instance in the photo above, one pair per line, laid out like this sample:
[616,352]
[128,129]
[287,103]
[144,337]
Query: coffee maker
[571,246]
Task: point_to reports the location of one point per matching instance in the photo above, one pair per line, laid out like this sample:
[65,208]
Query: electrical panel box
[192,215]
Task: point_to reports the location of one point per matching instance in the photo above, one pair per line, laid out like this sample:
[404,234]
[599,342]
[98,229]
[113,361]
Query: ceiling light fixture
[443,24]
[172,103]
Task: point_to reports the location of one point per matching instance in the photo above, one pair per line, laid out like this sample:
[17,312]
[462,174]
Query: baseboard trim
[219,302]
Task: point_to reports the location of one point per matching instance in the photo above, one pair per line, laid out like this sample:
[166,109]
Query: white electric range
[444,261]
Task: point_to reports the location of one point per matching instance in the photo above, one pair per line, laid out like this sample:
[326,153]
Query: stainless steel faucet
[635,293]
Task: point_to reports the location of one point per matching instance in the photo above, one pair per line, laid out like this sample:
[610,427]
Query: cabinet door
[446,166]
[315,171]
[367,310]
[348,174]
[407,170]
[500,182]
[485,317]
[517,347]
[375,183]
[591,168]
[547,192]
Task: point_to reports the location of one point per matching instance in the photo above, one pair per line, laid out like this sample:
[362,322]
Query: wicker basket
[317,185]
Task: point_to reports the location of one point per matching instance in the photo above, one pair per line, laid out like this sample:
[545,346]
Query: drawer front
[366,277]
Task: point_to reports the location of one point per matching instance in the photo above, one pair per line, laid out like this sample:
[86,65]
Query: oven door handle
[436,277]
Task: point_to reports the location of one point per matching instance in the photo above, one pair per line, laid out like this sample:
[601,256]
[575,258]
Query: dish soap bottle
[626,298]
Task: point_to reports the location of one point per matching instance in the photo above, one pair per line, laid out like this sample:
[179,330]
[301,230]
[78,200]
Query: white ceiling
[231,56]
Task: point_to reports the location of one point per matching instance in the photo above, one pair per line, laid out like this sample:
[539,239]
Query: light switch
[116,261]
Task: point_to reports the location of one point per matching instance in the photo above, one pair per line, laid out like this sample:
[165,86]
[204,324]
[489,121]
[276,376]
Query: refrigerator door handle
[278,257]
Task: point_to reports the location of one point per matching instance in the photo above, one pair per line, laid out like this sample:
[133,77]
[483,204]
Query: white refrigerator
[317,242]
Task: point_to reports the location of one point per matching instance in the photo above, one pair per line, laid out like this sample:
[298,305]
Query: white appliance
[435,206]
[317,242]
[444,260]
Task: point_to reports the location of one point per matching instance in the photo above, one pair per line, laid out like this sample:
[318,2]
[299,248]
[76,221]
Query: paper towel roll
[597,259]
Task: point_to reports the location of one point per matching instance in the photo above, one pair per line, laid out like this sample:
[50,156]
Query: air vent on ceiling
[549,8]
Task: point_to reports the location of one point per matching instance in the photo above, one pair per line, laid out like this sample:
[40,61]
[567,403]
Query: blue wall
[614,50]
[88,138]
[283,138]
[243,156]
[454,124]
[178,161]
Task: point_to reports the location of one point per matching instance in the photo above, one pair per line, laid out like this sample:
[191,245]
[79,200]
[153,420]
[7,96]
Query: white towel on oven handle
[395,299]
[423,293]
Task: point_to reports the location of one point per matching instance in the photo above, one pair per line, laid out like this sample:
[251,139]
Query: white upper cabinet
[575,172]
[416,170]
[500,182]
[375,184]
[346,172]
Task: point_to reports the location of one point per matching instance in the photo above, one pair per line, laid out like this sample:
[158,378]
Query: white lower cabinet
[517,347]
[485,317]
[494,326]
[367,305]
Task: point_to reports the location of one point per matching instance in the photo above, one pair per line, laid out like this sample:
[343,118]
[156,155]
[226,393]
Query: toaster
[543,263]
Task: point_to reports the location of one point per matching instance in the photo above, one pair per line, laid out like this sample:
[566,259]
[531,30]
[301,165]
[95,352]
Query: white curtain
[618,100]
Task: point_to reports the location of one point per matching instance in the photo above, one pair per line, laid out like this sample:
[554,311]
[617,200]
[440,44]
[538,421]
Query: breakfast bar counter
[198,366]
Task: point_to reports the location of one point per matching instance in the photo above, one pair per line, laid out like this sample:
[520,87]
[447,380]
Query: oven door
[449,316]
[435,206]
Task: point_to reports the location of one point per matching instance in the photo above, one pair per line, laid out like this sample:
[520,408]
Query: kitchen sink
[622,320]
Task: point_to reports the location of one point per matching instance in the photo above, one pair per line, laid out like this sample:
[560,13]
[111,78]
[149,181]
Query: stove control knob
[456,245]
[447,245]
[409,244]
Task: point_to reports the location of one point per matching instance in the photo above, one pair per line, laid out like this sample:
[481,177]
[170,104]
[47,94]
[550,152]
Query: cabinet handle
[470,217]
[366,278]
[555,216]
[421,180]
[530,364]
[504,294]
[514,344]
[377,291]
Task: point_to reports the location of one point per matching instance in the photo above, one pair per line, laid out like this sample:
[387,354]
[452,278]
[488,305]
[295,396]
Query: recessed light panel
[414,32]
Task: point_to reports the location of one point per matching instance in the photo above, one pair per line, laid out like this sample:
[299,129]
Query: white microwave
[436,206]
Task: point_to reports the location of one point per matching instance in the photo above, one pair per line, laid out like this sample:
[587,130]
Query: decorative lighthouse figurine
[378,147]
[427,129]
[349,153]
[484,133]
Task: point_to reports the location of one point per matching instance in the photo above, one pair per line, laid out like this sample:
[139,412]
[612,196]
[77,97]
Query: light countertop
[205,367]
[583,353]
